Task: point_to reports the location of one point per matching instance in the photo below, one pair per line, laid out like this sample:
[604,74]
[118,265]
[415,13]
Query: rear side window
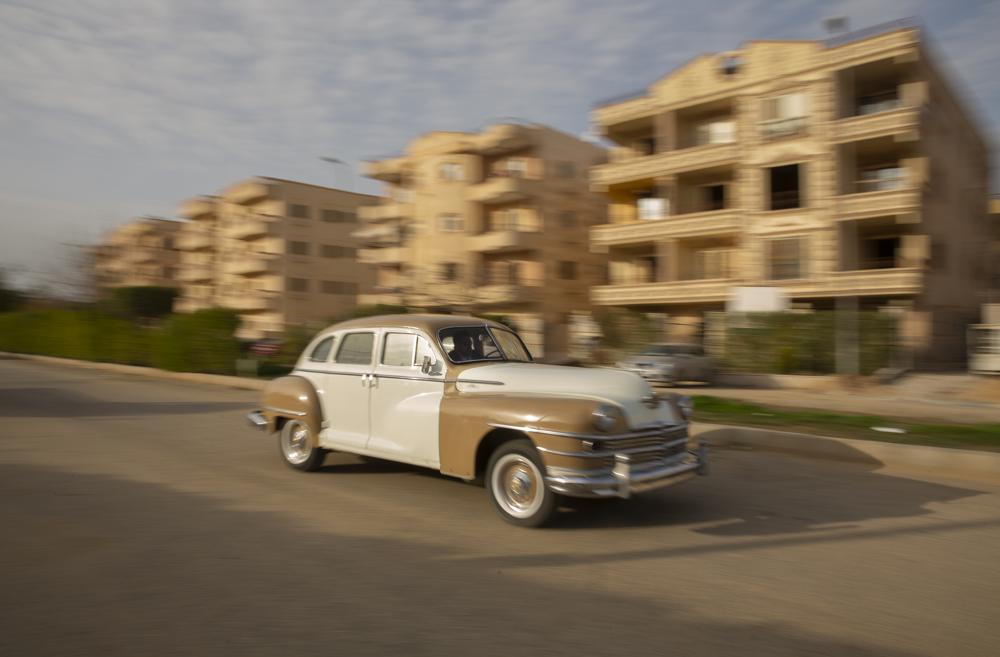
[356,349]
[321,352]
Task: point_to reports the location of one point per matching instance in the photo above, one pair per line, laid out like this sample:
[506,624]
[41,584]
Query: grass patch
[847,425]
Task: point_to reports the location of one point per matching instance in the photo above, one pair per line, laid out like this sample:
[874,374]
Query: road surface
[142,517]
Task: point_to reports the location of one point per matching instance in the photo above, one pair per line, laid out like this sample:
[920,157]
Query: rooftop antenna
[835,24]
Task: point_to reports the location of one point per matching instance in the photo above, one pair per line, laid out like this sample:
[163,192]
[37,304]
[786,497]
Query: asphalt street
[143,517]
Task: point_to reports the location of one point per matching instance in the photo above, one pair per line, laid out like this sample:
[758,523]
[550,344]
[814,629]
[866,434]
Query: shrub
[143,302]
[202,341]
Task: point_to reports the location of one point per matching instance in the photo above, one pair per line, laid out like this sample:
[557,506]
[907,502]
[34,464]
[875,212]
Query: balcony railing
[666,163]
[384,255]
[684,225]
[250,265]
[777,128]
[510,293]
[194,240]
[249,228]
[502,189]
[867,282]
[504,241]
[869,126]
[388,211]
[696,291]
[882,203]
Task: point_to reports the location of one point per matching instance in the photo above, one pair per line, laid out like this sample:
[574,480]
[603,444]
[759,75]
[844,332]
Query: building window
[880,178]
[356,349]
[715,197]
[333,251]
[785,258]
[512,167]
[298,285]
[338,216]
[881,252]
[451,171]
[451,223]
[715,132]
[783,115]
[567,219]
[566,270]
[339,287]
[502,220]
[785,187]
[565,170]
[651,207]
[298,248]
[168,243]
[712,263]
[450,272]
[298,211]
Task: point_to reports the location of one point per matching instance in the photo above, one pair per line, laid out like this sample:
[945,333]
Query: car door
[406,401]
[346,392]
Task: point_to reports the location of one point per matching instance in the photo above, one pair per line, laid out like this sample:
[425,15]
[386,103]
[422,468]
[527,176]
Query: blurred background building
[492,222]
[280,252]
[847,172]
[139,253]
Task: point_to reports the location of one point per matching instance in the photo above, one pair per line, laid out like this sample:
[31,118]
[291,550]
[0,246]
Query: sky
[111,109]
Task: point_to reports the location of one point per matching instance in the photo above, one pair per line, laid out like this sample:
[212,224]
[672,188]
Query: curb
[962,463]
[149,372]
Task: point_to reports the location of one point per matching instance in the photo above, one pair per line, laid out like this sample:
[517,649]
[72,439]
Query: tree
[144,301]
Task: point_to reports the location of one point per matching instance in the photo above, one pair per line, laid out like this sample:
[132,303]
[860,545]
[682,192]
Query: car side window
[356,349]
[321,352]
[398,349]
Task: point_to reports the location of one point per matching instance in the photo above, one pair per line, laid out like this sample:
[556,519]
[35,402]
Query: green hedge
[794,343]
[199,342]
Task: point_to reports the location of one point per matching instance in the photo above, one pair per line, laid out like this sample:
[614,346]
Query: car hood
[614,386]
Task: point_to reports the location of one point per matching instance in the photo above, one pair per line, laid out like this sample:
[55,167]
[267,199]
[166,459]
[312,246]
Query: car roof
[430,324]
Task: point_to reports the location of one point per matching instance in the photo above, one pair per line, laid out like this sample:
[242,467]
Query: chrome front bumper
[257,420]
[626,479]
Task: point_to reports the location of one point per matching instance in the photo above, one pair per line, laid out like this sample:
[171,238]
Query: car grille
[651,449]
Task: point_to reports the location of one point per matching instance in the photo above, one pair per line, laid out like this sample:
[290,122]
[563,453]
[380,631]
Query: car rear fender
[293,397]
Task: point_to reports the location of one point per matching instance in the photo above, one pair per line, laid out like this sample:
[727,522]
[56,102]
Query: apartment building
[278,251]
[494,221]
[138,253]
[844,171]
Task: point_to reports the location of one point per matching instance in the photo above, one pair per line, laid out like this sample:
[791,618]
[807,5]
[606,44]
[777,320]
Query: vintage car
[670,363]
[462,395]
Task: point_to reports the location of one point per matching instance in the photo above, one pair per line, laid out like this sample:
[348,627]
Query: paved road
[142,518]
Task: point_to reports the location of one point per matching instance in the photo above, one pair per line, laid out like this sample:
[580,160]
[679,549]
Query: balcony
[389,170]
[195,274]
[250,265]
[249,228]
[865,282]
[197,207]
[696,291]
[905,120]
[685,225]
[510,293]
[142,254]
[882,203]
[253,301]
[502,138]
[194,240]
[662,164]
[384,255]
[395,297]
[248,192]
[385,211]
[625,110]
[502,189]
[504,241]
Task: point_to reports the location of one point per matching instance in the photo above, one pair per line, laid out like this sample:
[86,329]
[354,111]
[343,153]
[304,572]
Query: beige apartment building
[280,252]
[489,222]
[139,253]
[845,169]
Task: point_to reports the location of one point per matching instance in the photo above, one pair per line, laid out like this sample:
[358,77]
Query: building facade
[489,222]
[140,253]
[843,171]
[280,252]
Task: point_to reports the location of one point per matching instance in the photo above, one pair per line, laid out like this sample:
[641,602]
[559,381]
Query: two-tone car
[671,363]
[463,396]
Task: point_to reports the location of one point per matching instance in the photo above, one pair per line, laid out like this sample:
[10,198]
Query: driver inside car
[463,350]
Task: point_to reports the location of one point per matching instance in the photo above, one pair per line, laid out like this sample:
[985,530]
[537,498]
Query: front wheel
[516,484]
[293,443]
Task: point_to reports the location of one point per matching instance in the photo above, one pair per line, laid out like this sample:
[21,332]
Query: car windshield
[466,344]
[672,350]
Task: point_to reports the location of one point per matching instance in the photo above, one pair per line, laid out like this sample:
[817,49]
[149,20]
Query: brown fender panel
[292,397]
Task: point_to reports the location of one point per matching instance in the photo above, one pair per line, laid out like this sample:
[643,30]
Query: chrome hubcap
[295,442]
[517,485]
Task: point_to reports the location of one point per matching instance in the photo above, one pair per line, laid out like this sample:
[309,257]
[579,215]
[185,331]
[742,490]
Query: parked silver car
[669,363]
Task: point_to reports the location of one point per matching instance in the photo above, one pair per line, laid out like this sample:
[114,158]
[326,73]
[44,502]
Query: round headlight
[606,417]
[686,404]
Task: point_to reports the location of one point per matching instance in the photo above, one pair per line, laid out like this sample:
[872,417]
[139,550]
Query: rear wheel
[516,484]
[294,444]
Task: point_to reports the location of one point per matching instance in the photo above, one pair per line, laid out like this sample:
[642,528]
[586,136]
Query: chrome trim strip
[275,409]
[400,376]
[257,420]
[664,431]
[611,452]
[306,369]
[482,381]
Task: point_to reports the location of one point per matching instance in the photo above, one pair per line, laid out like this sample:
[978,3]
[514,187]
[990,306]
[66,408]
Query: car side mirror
[427,365]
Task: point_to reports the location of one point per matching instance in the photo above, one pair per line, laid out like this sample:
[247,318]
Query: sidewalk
[888,401]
